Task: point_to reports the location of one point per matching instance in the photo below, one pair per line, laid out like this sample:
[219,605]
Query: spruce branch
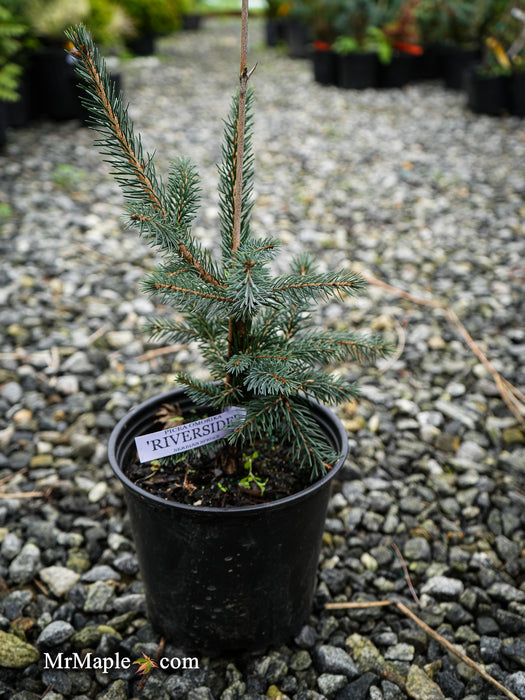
[173,331]
[254,330]
[133,171]
[174,240]
[308,438]
[341,346]
[184,189]
[317,286]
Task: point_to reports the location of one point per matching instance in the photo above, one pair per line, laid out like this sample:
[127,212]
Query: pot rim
[328,414]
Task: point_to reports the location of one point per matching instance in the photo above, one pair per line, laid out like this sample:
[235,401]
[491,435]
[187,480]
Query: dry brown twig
[431,633]
[21,494]
[406,572]
[17,494]
[10,477]
[158,352]
[511,395]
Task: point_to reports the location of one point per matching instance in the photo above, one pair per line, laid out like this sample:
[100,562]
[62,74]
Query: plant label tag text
[187,436]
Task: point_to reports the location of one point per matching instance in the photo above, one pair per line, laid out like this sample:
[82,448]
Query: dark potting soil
[218,475]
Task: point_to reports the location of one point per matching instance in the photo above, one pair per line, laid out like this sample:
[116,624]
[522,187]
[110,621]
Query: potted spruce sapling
[226,481]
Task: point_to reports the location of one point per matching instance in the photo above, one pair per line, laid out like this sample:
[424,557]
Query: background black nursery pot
[256,332]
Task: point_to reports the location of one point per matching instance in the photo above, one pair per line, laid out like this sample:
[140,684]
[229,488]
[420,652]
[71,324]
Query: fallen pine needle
[406,572]
[431,633]
[12,476]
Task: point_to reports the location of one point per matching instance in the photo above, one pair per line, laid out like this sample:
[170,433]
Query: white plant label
[186,436]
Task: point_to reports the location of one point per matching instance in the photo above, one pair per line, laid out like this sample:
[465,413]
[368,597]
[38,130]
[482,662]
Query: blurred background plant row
[28,25]
[403,22]
[399,40]
[495,29]
[473,45]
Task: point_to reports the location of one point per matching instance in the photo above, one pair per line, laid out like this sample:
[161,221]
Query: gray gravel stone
[516,684]
[490,648]
[99,598]
[12,392]
[334,660]
[100,573]
[25,565]
[417,549]
[11,546]
[330,683]
[59,579]
[14,603]
[506,592]
[400,652]
[443,587]
[55,633]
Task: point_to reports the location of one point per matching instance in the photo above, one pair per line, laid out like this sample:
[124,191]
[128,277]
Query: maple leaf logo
[145,664]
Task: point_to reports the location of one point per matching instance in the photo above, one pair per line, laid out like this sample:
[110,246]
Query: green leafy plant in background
[109,23]
[374,41]
[402,29]
[47,19]
[504,50]
[154,17]
[358,25]
[277,8]
[68,176]
[256,330]
[11,32]
[319,15]
[460,22]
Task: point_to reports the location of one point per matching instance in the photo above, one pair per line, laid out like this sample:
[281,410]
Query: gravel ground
[406,185]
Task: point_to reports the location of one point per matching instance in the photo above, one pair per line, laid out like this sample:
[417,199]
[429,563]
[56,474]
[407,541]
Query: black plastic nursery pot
[430,64]
[357,71]
[517,94]
[401,70]
[297,36]
[53,83]
[3,124]
[456,62]
[325,66]
[275,30]
[487,94]
[225,579]
[191,21]
[142,45]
